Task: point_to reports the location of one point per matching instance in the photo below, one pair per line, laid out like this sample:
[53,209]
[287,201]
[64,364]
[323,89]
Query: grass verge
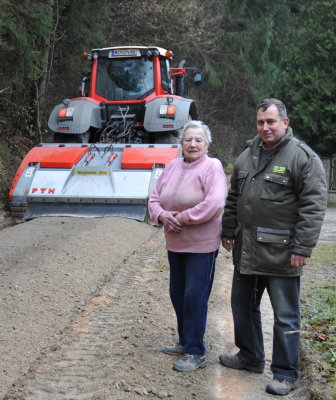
[318,323]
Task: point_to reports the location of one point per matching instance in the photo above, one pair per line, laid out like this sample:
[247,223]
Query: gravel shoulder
[85,313]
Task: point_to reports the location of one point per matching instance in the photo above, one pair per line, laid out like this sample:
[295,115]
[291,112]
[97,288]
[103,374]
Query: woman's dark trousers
[191,278]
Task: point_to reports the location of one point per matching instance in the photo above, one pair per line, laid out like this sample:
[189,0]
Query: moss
[162,266]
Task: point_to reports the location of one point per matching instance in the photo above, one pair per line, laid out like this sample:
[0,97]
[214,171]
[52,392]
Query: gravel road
[85,312]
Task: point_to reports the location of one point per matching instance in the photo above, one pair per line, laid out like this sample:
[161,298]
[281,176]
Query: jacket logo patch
[279,170]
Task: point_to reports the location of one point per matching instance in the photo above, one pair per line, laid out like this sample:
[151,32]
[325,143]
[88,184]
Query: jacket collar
[256,141]
[193,164]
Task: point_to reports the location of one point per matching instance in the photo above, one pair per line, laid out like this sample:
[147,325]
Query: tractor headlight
[167,111]
[66,113]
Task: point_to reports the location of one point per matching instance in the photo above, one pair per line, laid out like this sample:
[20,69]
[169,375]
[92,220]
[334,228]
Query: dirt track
[85,311]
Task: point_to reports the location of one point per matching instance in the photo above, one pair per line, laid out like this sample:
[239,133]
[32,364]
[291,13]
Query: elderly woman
[188,201]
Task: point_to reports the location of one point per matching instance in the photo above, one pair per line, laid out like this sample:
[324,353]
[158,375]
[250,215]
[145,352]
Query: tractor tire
[18,210]
[171,137]
[72,138]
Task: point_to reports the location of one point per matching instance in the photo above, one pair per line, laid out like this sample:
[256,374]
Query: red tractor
[132,95]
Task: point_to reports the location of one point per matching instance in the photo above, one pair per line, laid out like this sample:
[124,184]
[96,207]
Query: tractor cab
[122,74]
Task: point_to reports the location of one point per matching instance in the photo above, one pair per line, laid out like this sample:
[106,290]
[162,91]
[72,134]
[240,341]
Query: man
[272,220]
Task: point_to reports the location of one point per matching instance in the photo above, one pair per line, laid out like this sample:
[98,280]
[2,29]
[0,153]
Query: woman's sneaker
[174,350]
[190,362]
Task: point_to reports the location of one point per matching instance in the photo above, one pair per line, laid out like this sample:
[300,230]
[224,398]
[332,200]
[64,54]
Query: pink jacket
[198,190]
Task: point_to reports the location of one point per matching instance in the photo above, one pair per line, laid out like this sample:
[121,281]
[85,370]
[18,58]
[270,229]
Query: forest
[247,50]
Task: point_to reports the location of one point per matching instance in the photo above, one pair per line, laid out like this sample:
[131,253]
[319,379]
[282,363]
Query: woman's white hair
[197,124]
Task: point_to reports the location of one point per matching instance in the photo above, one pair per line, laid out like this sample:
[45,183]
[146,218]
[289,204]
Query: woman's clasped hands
[172,221]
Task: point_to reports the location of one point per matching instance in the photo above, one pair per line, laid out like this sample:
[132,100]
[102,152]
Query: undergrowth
[319,323]
[13,148]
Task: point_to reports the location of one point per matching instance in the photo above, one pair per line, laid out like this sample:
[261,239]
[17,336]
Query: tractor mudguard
[184,110]
[81,114]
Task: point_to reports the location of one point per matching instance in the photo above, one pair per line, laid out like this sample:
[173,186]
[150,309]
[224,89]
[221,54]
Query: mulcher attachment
[88,181]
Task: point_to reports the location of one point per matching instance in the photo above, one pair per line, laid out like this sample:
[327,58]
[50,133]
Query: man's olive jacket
[275,210]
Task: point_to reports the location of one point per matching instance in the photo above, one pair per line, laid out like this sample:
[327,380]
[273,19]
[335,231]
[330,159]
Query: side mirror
[177,71]
[85,86]
[198,79]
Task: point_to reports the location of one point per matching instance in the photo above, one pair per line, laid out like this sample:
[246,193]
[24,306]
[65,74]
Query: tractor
[112,142]
[131,95]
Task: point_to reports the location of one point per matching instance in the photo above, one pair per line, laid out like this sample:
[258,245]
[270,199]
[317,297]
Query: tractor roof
[161,50]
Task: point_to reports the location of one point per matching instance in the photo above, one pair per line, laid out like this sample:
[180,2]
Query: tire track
[98,353]
[113,349]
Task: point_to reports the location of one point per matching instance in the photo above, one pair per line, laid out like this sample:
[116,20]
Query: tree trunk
[41,88]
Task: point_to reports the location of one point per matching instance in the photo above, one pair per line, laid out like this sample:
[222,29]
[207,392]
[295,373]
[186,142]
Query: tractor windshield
[125,78]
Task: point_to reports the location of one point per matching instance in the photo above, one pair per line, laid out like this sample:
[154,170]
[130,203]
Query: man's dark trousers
[284,293]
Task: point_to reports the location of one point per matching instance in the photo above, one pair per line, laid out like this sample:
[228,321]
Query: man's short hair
[264,104]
